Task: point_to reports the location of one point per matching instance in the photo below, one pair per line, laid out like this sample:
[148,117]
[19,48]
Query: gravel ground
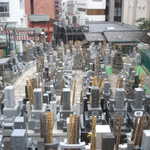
[21,81]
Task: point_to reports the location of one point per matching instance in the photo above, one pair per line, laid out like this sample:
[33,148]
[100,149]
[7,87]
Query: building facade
[57,9]
[96,10]
[134,10]
[114,10]
[41,14]
[68,11]
[12,12]
[81,12]
[78,12]
[127,11]
[12,15]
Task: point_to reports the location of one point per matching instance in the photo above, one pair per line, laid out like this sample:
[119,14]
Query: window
[21,4]
[32,6]
[118,12]
[4,9]
[118,4]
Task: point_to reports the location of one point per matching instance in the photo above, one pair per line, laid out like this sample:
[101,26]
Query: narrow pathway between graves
[79,81]
[21,81]
[113,79]
[78,86]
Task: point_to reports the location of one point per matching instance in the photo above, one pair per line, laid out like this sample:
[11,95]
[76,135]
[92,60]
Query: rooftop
[94,36]
[109,26]
[115,33]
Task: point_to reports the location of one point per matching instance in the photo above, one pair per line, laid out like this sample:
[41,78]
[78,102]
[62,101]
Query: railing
[4,14]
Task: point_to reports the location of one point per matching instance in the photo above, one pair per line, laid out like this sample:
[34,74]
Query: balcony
[4,14]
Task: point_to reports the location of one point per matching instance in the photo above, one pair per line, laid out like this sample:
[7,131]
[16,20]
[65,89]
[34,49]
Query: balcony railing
[4,14]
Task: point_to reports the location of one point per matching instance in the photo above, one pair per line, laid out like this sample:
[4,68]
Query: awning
[39,18]
[91,37]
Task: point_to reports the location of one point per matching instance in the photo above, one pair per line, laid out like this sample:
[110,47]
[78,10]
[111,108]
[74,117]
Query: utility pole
[5,28]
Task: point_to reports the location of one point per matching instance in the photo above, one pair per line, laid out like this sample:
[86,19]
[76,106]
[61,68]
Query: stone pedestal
[119,98]
[34,121]
[11,112]
[53,146]
[35,114]
[18,139]
[139,96]
[94,111]
[146,140]
[19,123]
[66,99]
[100,130]
[38,99]
[9,96]
[64,146]
[95,97]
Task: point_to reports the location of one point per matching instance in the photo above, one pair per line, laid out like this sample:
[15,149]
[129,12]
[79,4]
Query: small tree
[144,23]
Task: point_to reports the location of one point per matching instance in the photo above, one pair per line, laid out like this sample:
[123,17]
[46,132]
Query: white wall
[96,18]
[134,10]
[101,4]
[16,13]
[143,9]
[96,5]
[16,17]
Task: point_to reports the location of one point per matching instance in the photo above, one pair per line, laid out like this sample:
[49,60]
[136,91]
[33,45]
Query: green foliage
[144,23]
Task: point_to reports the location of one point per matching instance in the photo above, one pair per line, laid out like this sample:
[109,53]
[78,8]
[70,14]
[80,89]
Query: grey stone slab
[9,96]
[11,111]
[38,99]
